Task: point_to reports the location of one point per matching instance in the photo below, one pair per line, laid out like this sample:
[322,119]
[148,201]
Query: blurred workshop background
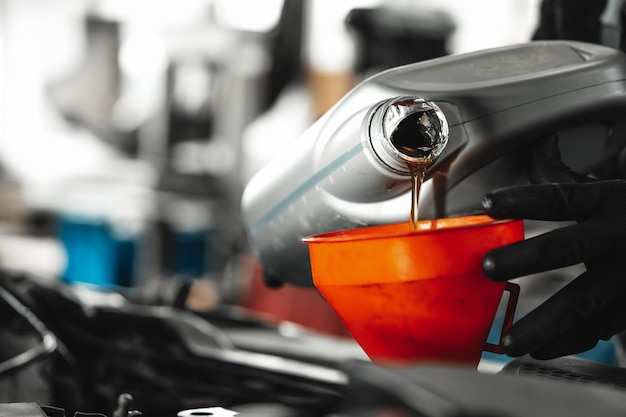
[129,128]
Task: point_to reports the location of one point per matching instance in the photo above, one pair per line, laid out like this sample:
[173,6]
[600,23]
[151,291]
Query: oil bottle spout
[407,131]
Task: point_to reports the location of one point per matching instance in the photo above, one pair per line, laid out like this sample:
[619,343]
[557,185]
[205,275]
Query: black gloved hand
[591,307]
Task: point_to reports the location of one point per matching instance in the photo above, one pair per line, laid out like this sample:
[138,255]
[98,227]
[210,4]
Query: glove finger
[575,341]
[546,166]
[558,248]
[586,306]
[552,202]
[602,326]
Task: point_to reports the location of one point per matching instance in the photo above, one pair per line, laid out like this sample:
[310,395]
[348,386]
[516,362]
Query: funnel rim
[347,235]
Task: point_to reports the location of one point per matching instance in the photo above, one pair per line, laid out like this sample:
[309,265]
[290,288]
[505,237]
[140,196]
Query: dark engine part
[24,352]
[166,358]
[21,410]
[103,355]
[124,409]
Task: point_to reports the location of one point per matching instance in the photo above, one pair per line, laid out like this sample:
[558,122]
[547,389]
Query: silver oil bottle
[342,172]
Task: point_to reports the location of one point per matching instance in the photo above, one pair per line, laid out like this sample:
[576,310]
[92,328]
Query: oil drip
[417,179]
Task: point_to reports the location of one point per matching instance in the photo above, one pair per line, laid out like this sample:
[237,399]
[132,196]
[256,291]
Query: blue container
[97,255]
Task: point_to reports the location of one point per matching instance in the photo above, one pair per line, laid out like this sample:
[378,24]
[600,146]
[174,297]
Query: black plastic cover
[441,391]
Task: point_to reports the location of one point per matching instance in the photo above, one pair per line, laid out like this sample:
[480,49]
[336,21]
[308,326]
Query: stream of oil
[417,179]
[440,187]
